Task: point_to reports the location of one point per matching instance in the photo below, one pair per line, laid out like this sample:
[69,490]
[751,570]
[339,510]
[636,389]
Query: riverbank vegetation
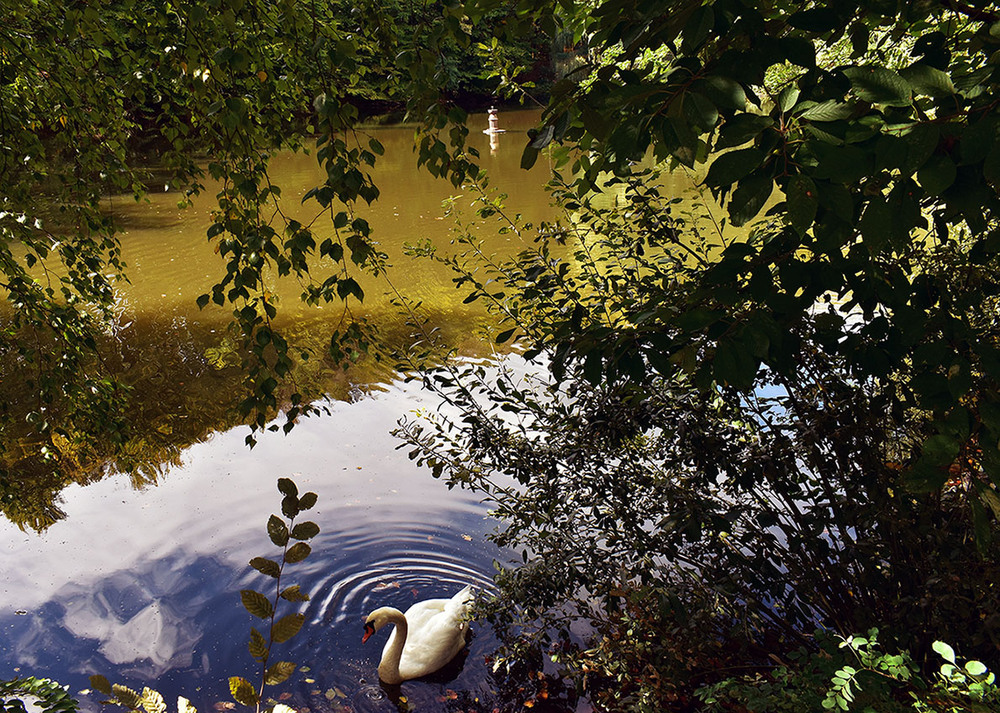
[736,436]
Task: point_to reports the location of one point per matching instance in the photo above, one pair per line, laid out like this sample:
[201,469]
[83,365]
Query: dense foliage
[739,436]
[736,436]
[100,100]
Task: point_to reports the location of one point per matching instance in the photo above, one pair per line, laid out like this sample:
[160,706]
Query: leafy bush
[869,680]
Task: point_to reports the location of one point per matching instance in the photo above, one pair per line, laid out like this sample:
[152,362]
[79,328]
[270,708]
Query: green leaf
[258,645]
[749,197]
[101,684]
[879,85]
[975,668]
[152,701]
[256,603]
[277,531]
[946,652]
[529,157]
[730,167]
[126,696]
[286,486]
[928,80]
[740,129]
[991,166]
[294,594]
[505,335]
[279,673]
[700,111]
[724,92]
[830,110]
[243,691]
[697,28]
[307,501]
[287,627]
[305,531]
[801,202]
[266,566]
[297,552]
[937,174]
[290,506]
[788,98]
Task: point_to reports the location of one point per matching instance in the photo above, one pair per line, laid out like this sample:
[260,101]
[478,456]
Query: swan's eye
[369,630]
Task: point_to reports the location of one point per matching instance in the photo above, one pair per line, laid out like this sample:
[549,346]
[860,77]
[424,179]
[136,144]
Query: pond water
[142,584]
[134,570]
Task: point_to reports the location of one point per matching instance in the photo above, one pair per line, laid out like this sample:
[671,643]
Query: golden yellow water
[171,262]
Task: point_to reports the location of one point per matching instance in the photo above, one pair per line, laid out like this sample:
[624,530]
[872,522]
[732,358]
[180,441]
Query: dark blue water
[143,586]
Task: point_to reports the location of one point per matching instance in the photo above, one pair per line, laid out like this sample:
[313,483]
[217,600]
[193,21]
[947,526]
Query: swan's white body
[425,638]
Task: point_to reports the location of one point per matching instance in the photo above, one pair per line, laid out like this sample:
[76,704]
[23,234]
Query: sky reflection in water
[143,586]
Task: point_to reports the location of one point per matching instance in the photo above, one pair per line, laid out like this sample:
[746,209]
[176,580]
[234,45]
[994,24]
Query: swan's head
[376,620]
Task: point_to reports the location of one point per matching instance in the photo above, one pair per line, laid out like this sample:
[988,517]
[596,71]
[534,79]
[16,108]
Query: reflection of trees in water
[184,384]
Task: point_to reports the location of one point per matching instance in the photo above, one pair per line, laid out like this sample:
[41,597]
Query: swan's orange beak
[369,630]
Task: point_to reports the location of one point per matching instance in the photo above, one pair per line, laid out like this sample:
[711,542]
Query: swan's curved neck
[388,669]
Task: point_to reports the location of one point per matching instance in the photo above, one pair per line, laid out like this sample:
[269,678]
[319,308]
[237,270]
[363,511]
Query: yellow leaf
[262,76]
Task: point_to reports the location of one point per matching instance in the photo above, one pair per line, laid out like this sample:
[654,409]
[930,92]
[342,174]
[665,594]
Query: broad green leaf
[921,141]
[788,98]
[928,80]
[305,531]
[749,197]
[937,174]
[126,696]
[101,684]
[286,627]
[279,673]
[975,668]
[294,594]
[307,501]
[740,129]
[879,85]
[724,92]
[297,552]
[256,603]
[266,566]
[991,166]
[243,691]
[801,202]
[290,503]
[257,645]
[277,530]
[528,157]
[287,487]
[876,224]
[700,111]
[152,701]
[732,166]
[830,110]
[698,27]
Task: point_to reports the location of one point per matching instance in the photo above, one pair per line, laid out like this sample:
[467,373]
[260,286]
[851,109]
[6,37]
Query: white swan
[425,638]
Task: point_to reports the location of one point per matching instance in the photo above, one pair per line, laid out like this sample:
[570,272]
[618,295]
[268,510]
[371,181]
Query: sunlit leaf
[101,684]
[279,673]
[243,691]
[287,627]
[294,594]
[126,696]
